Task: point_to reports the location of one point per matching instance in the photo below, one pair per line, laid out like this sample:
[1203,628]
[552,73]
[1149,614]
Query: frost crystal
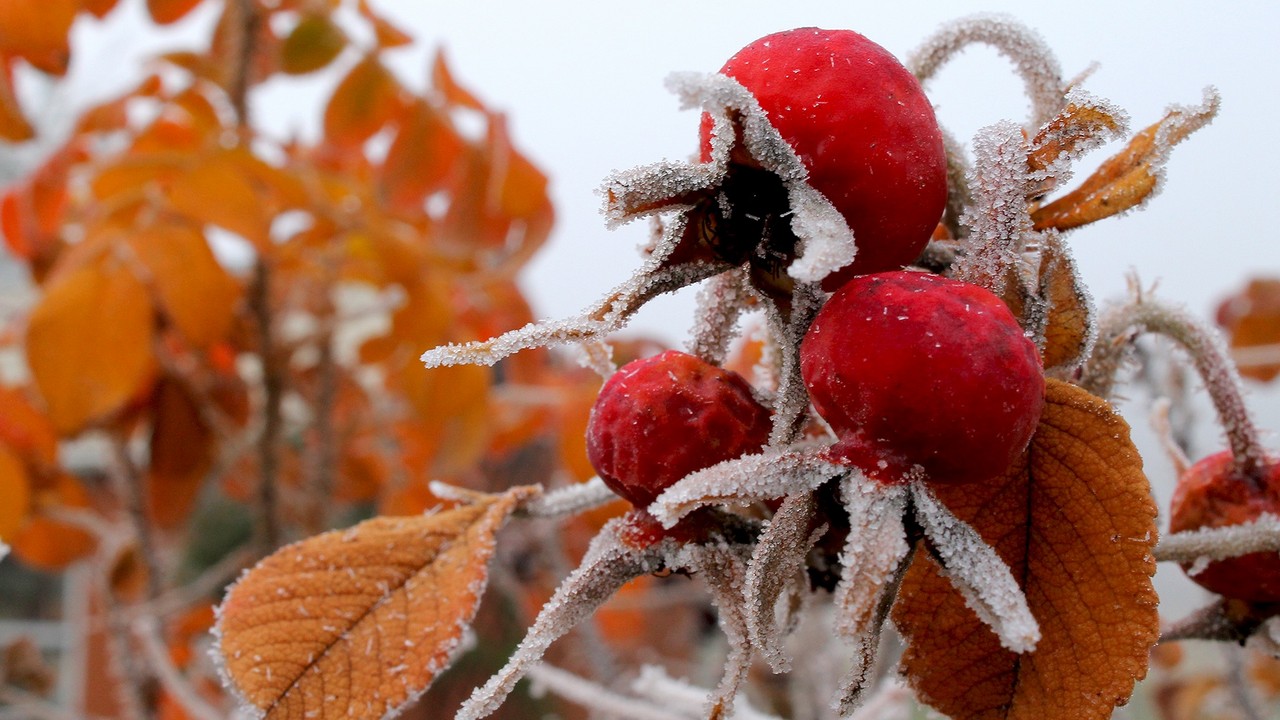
[1262,534]
[720,304]
[607,566]
[745,479]
[998,223]
[975,569]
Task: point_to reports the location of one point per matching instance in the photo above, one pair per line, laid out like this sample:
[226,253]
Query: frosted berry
[1212,494]
[660,418]
[912,369]
[864,130]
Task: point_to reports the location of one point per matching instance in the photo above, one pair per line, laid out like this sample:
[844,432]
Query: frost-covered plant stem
[1115,336]
[1220,543]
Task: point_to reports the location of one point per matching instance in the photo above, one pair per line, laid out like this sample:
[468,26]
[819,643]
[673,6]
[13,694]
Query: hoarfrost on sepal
[871,559]
[826,242]
[791,403]
[997,223]
[724,569]
[745,479]
[1179,122]
[974,569]
[649,189]
[1035,62]
[1086,122]
[721,302]
[608,565]
[776,577]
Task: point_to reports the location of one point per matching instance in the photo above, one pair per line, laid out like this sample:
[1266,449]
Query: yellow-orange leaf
[355,623]
[15,494]
[313,43]
[1251,319]
[387,35]
[1070,318]
[1127,179]
[220,192]
[365,101]
[26,430]
[48,544]
[1076,524]
[453,93]
[195,291]
[165,12]
[89,343]
[36,31]
[421,159]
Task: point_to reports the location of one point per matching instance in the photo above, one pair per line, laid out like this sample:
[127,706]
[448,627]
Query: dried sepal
[789,325]
[608,564]
[1069,327]
[1035,62]
[776,578]
[724,568]
[873,556]
[746,479]
[974,569]
[721,302]
[1131,177]
[1084,123]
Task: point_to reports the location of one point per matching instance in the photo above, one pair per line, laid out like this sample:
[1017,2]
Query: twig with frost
[1261,534]
[680,696]
[595,697]
[147,632]
[569,500]
[776,577]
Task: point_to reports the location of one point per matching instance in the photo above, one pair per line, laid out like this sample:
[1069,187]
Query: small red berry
[863,128]
[1212,494]
[660,418]
[914,369]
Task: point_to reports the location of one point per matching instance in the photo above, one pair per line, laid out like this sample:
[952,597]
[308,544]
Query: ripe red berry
[1212,494]
[863,128]
[914,369]
[660,418]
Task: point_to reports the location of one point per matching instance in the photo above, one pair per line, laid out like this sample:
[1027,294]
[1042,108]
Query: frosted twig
[891,702]
[1208,353]
[147,633]
[974,568]
[684,698]
[131,488]
[570,500]
[1241,693]
[595,697]
[1261,534]
[998,223]
[1031,56]
[1210,622]
[607,566]
[724,569]
[777,574]
[792,399]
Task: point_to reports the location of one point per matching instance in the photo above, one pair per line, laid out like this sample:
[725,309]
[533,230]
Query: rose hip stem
[1207,353]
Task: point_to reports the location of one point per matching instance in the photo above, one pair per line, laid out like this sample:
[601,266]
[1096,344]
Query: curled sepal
[871,562]
[1069,326]
[974,568]
[724,568]
[607,566]
[1131,177]
[1085,122]
[776,578]
[746,479]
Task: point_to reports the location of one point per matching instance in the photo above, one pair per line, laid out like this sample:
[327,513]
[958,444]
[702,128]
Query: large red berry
[660,418]
[915,369]
[1212,494]
[863,128]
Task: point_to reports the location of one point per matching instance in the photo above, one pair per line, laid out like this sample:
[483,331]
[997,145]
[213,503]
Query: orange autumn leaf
[454,94]
[182,452]
[36,31]
[89,343]
[1251,319]
[424,154]
[312,44]
[1127,179]
[355,623]
[15,489]
[14,126]
[1077,124]
[1076,523]
[166,12]
[218,190]
[386,34]
[50,544]
[364,102]
[193,289]
[26,430]
[1069,322]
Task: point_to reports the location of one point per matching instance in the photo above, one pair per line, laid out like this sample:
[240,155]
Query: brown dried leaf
[1069,324]
[1129,178]
[355,623]
[1076,524]
[1251,319]
[182,452]
[1078,124]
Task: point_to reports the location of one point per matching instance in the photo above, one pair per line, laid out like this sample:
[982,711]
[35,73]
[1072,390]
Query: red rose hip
[660,418]
[912,369]
[1213,494]
[864,130]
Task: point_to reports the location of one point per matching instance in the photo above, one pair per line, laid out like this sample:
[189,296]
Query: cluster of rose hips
[915,373]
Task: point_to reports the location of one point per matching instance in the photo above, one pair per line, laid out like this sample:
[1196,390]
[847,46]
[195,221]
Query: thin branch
[593,696]
[268,530]
[131,487]
[1238,683]
[244,39]
[323,475]
[1259,535]
[147,632]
